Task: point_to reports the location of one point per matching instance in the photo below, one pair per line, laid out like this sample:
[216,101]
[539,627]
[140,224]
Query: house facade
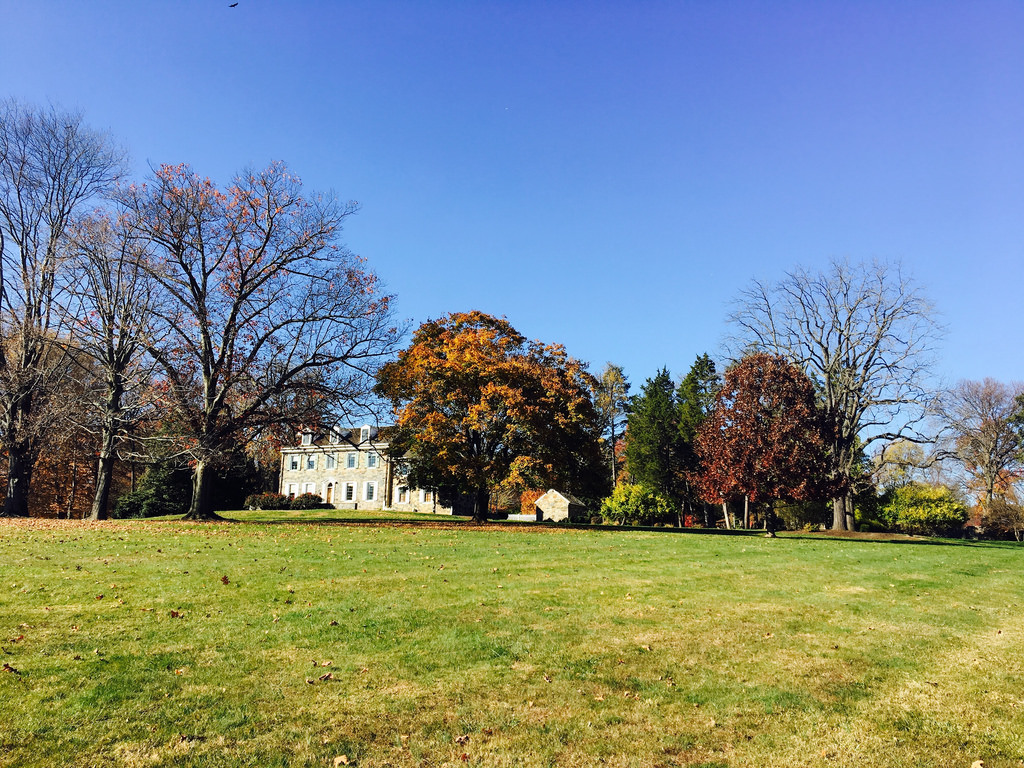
[349,468]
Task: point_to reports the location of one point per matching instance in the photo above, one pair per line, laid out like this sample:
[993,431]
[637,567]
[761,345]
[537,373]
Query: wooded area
[161,339]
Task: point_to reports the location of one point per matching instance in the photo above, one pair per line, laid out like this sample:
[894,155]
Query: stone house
[559,506]
[349,468]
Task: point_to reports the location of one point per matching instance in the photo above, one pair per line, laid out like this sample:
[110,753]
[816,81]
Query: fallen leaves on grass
[8,668]
[225,580]
[340,760]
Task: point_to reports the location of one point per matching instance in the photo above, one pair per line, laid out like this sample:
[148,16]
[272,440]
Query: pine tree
[653,442]
[695,399]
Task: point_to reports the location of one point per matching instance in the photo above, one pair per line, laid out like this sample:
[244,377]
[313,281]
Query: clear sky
[605,175]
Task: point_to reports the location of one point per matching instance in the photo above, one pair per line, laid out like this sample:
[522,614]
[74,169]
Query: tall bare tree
[51,166]
[985,432]
[113,299]
[264,318]
[865,334]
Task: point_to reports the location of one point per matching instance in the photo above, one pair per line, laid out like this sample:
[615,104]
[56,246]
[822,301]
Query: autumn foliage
[764,439]
[479,408]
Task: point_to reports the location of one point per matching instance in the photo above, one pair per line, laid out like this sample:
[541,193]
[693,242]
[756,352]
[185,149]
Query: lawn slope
[165,643]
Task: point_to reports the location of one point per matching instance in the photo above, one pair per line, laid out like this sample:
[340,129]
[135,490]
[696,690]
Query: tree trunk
[769,520]
[746,511]
[74,488]
[481,502]
[612,452]
[725,514]
[839,515]
[202,506]
[104,474]
[105,463]
[19,479]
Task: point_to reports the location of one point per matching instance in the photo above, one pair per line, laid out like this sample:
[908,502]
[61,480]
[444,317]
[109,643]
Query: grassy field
[331,515]
[171,644]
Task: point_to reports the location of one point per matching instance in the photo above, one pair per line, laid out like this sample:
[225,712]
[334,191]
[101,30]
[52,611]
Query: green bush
[268,501]
[129,506]
[163,490]
[924,510]
[802,515]
[636,504]
[309,501]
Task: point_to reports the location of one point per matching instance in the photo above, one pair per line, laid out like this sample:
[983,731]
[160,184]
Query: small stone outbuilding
[558,507]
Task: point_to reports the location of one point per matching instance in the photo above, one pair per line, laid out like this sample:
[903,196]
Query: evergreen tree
[695,399]
[653,445]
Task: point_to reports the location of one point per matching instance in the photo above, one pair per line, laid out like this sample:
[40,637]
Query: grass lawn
[173,644]
[331,515]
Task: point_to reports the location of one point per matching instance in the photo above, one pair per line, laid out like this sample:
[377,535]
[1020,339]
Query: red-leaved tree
[764,439]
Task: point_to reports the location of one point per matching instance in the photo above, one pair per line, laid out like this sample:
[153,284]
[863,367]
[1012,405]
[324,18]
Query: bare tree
[51,165]
[264,319]
[985,432]
[866,335]
[113,300]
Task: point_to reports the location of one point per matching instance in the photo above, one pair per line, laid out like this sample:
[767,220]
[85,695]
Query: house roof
[565,495]
[345,434]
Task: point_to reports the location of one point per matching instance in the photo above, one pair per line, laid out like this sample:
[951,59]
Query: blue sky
[605,175]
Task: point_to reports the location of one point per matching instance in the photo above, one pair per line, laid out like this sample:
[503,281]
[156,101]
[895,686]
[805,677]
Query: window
[370,491]
[428,496]
[334,436]
[403,495]
[350,491]
[311,462]
[292,490]
[307,438]
[330,461]
[310,488]
[293,462]
[364,434]
[371,460]
[352,460]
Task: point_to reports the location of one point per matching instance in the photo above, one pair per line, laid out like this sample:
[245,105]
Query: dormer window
[364,434]
[307,438]
[334,436]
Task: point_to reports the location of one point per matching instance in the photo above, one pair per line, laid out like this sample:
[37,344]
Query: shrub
[129,506]
[267,501]
[1004,519]
[802,515]
[636,504]
[528,501]
[924,510]
[309,501]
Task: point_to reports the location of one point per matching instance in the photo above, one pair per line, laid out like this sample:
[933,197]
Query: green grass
[173,644]
[331,515]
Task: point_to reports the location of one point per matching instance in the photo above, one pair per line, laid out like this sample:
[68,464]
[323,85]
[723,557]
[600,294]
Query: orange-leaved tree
[479,408]
[764,439]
